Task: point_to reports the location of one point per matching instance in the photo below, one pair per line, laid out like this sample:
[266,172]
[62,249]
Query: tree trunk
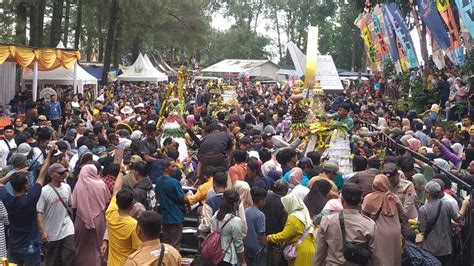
[354,46]
[136,46]
[116,51]
[77,33]
[110,39]
[34,40]
[56,22]
[423,43]
[89,48]
[363,67]
[277,24]
[66,23]
[20,27]
[41,8]
[101,39]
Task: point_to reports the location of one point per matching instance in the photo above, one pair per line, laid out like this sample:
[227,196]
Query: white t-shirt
[57,222]
[4,150]
[38,156]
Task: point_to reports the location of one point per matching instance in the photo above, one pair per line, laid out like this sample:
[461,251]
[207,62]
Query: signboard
[326,73]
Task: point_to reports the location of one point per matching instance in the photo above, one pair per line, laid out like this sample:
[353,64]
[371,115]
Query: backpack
[10,150]
[211,250]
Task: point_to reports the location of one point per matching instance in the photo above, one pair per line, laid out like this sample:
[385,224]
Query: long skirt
[88,241]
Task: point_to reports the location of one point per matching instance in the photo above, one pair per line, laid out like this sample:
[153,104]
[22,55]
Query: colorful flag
[391,36]
[466,10]
[431,18]
[367,36]
[438,55]
[382,39]
[401,29]
[455,51]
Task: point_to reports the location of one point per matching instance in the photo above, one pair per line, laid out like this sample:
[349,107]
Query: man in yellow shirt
[123,239]
[203,189]
[152,251]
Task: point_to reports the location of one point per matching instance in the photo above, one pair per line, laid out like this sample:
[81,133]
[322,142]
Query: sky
[219,22]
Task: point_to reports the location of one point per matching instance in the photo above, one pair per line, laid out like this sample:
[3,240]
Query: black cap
[351,192]
[245,140]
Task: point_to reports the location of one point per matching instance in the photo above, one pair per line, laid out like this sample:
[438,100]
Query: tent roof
[236,65]
[97,71]
[62,76]
[142,70]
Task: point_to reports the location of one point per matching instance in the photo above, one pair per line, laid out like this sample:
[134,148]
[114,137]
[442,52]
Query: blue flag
[466,9]
[391,36]
[401,29]
[431,18]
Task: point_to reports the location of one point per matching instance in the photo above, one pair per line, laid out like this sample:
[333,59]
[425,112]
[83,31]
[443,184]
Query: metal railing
[467,248]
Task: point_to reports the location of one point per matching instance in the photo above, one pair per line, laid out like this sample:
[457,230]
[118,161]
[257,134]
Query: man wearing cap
[359,229]
[42,121]
[404,189]
[330,171]
[54,221]
[438,232]
[16,163]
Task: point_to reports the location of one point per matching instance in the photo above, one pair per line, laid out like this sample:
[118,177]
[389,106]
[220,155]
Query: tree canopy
[115,31]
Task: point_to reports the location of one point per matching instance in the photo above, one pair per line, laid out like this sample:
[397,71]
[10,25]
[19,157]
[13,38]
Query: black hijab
[316,198]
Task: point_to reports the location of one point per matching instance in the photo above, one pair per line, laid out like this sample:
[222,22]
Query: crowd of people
[89,180]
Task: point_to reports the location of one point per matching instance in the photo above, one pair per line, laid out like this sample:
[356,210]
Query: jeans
[29,256]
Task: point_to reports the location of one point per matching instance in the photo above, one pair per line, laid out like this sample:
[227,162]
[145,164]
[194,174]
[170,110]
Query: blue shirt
[21,210]
[53,110]
[171,197]
[256,225]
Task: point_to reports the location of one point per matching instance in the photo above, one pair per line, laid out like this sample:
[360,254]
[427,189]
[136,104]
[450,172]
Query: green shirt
[346,120]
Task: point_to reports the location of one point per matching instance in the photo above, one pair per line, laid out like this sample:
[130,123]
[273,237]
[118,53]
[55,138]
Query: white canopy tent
[142,70]
[62,76]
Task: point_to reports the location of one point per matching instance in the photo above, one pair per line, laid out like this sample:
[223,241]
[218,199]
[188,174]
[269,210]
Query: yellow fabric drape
[48,58]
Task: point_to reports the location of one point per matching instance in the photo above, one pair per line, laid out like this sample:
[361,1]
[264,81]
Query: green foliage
[236,43]
[420,99]
[467,69]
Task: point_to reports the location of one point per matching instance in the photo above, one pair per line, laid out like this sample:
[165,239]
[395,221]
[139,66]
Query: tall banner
[466,10]
[391,37]
[398,24]
[468,40]
[438,55]
[455,51]
[371,26]
[381,36]
[431,18]
[367,36]
[403,60]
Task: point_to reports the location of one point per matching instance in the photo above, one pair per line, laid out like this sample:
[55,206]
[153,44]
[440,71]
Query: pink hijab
[296,175]
[414,144]
[90,196]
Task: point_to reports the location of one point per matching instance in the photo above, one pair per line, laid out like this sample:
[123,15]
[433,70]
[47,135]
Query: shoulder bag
[162,254]
[289,252]
[62,201]
[358,253]
[429,227]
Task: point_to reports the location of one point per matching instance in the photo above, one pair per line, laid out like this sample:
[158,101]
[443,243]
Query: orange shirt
[238,172]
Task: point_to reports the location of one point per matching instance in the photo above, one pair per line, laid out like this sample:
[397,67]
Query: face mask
[257,146]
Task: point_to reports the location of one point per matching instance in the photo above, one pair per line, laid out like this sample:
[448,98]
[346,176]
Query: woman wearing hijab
[405,124]
[297,225]
[414,144]
[296,177]
[468,158]
[317,197]
[243,189]
[419,181]
[386,210]
[89,200]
